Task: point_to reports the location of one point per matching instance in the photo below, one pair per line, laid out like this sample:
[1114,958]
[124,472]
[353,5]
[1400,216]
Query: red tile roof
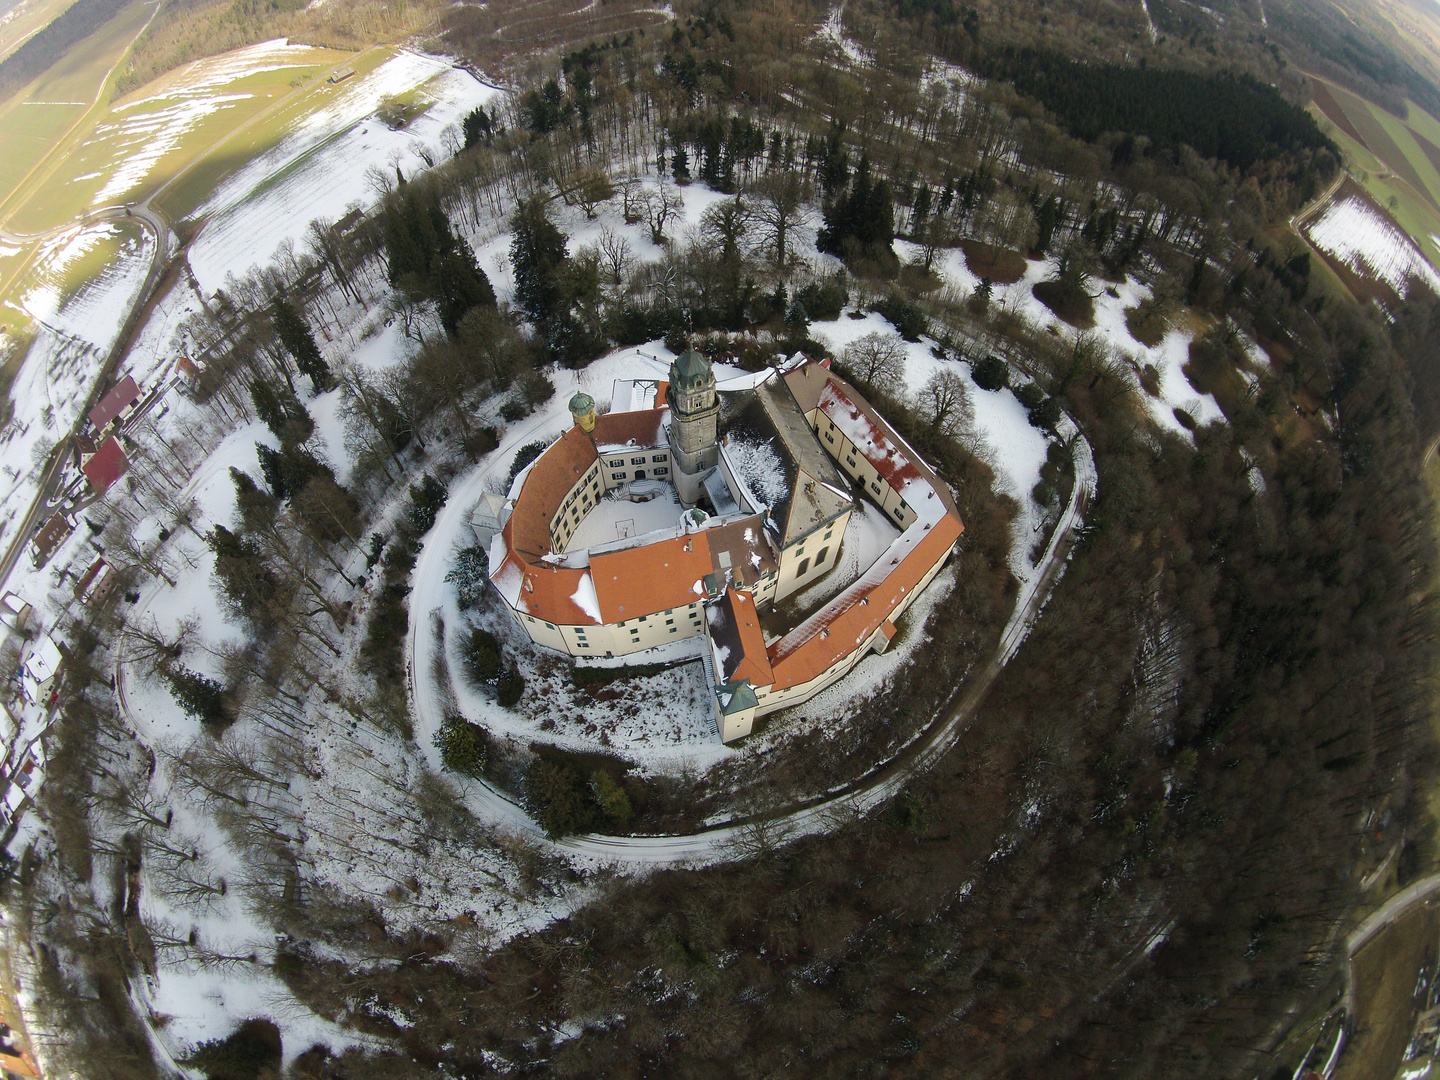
[643,580]
[546,485]
[115,402]
[849,620]
[106,465]
[752,663]
[893,460]
[645,427]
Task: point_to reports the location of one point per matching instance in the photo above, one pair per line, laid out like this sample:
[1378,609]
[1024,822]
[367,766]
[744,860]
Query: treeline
[75,23]
[1230,117]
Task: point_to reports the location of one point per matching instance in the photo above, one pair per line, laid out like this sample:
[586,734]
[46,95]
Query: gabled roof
[643,428]
[644,580]
[106,465]
[52,534]
[738,642]
[115,402]
[849,620]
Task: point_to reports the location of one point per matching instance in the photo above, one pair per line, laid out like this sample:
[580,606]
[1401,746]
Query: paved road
[739,837]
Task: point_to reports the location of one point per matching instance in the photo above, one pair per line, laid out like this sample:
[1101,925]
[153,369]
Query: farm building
[51,535]
[105,466]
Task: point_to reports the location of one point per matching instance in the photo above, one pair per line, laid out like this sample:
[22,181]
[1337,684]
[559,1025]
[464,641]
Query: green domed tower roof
[691,369]
[581,403]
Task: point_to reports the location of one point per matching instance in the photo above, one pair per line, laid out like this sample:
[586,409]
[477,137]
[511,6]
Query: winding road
[738,837]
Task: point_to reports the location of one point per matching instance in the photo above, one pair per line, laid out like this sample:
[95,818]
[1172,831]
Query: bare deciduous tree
[877,359]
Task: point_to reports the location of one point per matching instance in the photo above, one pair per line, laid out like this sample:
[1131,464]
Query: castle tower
[582,409]
[694,413]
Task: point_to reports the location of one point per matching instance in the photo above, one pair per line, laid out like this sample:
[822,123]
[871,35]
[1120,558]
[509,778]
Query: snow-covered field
[140,133]
[1351,232]
[319,169]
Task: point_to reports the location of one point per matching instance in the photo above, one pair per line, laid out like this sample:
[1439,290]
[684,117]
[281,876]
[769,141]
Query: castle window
[829,532]
[551,625]
[620,475]
[829,438]
[673,629]
[615,463]
[662,471]
[820,559]
[804,566]
[660,457]
[584,644]
[670,622]
[637,461]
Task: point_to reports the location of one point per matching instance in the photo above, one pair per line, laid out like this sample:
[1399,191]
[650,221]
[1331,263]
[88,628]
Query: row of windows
[619,462]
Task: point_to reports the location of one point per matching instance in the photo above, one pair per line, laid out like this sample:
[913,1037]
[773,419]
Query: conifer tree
[257,508]
[537,255]
[289,469]
[247,584]
[200,697]
[281,412]
[294,333]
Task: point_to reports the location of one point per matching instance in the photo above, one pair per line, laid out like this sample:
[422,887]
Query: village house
[666,522]
[115,407]
[51,535]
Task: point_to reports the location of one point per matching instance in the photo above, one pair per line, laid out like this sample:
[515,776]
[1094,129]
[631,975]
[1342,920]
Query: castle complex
[690,510]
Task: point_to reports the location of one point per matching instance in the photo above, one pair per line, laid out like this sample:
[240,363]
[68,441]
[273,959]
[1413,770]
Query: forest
[1137,860]
[1235,119]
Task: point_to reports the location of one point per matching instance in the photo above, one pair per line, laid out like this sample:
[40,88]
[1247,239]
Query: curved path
[739,837]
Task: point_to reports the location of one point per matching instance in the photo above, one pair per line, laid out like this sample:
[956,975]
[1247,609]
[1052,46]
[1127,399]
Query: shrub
[426,499]
[469,574]
[536,388]
[1046,414]
[1029,395]
[610,797]
[482,656]
[992,373]
[558,797]
[566,799]
[824,299]
[510,688]
[463,746]
[903,314]
[515,410]
[251,1051]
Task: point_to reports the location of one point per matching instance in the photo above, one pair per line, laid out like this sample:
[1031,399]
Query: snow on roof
[738,642]
[44,659]
[861,427]
[125,394]
[585,598]
[620,431]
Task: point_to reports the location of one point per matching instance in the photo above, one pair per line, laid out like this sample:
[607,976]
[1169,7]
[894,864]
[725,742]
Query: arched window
[820,559]
[804,566]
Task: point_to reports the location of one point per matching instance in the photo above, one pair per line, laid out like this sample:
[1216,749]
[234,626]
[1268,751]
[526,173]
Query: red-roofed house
[115,405]
[105,466]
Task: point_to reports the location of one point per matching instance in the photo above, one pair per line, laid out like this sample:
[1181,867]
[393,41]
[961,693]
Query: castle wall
[810,557]
[856,466]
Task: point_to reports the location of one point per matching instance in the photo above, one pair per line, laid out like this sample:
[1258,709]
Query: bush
[992,373]
[1046,414]
[469,574]
[515,410]
[426,499]
[610,797]
[481,655]
[1029,395]
[824,299]
[510,688]
[559,798]
[536,388]
[566,799]
[463,746]
[903,314]
[253,1050]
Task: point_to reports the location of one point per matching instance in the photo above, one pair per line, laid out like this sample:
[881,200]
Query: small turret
[582,408]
